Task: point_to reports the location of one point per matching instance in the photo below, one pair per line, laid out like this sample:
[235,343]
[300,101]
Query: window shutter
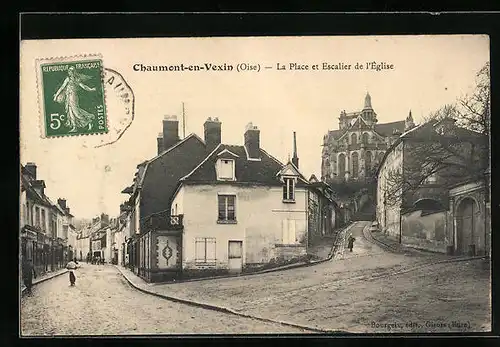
[291,231]
[200,250]
[285,190]
[210,248]
[284,228]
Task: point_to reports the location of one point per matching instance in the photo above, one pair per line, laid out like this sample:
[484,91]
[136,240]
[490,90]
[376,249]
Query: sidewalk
[45,277]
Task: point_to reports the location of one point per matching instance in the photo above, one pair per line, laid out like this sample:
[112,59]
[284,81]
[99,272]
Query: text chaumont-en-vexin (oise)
[256,67]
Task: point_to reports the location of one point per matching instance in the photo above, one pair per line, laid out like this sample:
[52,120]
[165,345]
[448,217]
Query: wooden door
[235,256]
[465,225]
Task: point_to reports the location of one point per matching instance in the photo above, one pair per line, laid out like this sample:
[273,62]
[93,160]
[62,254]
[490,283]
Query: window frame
[226,220]
[289,190]
[220,163]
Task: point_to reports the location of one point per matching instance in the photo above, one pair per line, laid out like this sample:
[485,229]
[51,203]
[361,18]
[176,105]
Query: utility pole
[183,122]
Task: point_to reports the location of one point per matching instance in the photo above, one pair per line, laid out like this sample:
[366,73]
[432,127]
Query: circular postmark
[120,102]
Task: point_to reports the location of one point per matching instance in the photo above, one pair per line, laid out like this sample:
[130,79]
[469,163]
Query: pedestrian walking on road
[28,274]
[72,265]
[350,242]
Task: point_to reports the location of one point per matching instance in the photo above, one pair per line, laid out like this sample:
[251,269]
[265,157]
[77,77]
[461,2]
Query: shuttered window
[288,230]
[226,169]
[205,250]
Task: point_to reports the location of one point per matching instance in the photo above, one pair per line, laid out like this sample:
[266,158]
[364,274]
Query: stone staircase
[366,212]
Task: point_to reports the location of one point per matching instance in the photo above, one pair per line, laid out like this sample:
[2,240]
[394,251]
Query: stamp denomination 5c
[71,96]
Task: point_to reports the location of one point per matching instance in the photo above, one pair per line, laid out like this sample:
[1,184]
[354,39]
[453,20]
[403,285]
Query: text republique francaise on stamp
[71,96]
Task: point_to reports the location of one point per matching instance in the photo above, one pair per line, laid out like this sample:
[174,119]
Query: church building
[353,152]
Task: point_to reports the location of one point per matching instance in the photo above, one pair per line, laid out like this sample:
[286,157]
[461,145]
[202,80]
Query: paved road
[102,303]
[351,292]
[368,290]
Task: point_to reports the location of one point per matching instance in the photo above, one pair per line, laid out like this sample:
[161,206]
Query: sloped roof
[261,172]
[387,129]
[427,132]
[27,184]
[384,129]
[161,174]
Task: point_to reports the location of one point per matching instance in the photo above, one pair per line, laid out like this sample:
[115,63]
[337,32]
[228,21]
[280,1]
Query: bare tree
[475,109]
[450,145]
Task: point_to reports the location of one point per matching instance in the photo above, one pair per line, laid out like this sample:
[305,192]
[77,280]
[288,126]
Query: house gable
[162,174]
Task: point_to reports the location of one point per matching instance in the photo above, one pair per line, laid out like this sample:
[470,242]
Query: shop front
[158,250]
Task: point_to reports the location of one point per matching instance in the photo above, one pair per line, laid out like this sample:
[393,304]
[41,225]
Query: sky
[428,72]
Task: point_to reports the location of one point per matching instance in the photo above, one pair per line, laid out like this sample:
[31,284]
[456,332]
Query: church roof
[385,129]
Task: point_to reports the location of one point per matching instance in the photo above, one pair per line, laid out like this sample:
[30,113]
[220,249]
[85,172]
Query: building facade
[42,237]
[324,213]
[236,207]
[353,152]
[444,209]
[154,185]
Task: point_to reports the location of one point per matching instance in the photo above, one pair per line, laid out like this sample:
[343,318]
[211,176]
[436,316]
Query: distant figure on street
[28,274]
[72,265]
[350,242]
[102,260]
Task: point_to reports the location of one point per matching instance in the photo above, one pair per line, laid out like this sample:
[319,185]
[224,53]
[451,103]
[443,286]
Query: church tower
[409,122]
[368,114]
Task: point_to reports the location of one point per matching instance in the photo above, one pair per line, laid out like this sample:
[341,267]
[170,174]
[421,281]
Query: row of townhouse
[201,207]
[446,209]
[95,239]
[47,234]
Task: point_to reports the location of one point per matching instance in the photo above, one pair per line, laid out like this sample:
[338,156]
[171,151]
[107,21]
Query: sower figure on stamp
[72,265]
[350,242]
[28,274]
[67,94]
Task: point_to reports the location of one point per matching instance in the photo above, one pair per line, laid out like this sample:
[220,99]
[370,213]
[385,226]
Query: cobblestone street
[367,290]
[362,291]
[102,303]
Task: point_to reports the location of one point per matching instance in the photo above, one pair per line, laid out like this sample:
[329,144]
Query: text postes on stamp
[72,99]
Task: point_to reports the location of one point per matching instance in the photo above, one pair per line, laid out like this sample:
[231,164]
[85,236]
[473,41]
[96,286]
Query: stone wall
[425,230]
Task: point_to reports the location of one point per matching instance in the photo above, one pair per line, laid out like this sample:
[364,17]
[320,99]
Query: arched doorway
[466,211]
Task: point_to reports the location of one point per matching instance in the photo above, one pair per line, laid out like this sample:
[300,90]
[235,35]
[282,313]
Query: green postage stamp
[71,96]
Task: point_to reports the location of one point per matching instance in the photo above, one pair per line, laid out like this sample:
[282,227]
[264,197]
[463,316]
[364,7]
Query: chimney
[39,186]
[170,131]
[159,142]
[252,141]
[123,208]
[62,203]
[104,219]
[295,159]
[31,169]
[212,133]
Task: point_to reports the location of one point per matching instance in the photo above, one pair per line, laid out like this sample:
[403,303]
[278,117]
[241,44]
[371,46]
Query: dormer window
[225,170]
[288,189]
